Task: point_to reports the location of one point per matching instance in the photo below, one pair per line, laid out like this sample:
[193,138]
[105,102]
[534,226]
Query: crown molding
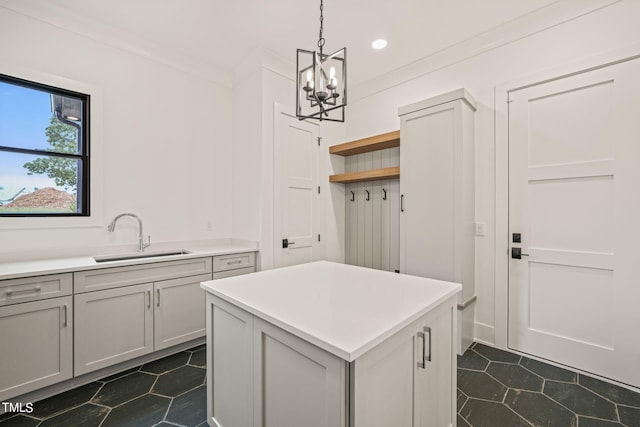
[537,21]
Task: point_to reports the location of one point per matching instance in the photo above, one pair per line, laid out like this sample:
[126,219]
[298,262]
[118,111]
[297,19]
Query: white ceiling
[221,33]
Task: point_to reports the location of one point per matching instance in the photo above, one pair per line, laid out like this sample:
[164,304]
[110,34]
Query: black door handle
[516,253]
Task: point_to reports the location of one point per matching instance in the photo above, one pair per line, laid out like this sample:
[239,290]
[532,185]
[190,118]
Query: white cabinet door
[112,326]
[229,364]
[437,192]
[295,382]
[383,378]
[179,311]
[409,379]
[435,383]
[36,348]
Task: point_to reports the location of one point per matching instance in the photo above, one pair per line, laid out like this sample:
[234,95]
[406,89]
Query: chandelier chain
[320,37]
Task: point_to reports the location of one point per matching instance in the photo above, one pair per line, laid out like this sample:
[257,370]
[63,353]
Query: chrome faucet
[141,244]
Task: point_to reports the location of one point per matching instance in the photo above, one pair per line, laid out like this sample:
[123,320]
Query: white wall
[480,69]
[165,139]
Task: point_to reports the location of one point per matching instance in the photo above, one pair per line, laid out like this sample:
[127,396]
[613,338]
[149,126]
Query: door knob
[286,243]
[516,253]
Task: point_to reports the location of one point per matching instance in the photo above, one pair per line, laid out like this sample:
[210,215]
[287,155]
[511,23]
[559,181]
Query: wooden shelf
[368,175]
[365,145]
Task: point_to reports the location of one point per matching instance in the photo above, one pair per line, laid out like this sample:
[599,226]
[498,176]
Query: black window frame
[83,182]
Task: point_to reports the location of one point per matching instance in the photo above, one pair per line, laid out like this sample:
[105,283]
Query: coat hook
[368,195]
[353,196]
[385,194]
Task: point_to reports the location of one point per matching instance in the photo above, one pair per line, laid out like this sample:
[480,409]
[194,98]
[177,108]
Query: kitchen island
[327,344]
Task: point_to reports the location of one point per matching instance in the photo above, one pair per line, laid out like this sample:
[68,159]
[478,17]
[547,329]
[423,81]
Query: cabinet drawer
[231,273]
[35,288]
[107,278]
[233,261]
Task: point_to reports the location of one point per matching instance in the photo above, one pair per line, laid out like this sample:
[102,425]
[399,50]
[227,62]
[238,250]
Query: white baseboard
[484,333]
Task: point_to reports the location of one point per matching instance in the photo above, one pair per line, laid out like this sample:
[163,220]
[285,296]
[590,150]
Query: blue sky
[24,116]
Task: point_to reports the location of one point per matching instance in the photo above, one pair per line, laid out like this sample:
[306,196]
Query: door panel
[112,326]
[295,192]
[295,383]
[573,176]
[179,315]
[431,158]
[36,346]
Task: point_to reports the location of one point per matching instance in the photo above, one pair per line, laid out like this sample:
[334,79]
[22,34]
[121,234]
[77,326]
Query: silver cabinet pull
[158,294]
[426,355]
[149,296]
[421,363]
[239,261]
[10,291]
[427,330]
[66,315]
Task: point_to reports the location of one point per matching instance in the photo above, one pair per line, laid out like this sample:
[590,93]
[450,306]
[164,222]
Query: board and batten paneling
[372,226]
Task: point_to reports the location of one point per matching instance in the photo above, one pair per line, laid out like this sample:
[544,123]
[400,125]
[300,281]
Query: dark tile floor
[167,392]
[495,389]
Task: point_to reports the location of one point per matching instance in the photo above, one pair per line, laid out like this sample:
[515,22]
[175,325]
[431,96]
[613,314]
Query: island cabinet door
[409,380]
[435,374]
[229,364]
[382,382]
[295,382]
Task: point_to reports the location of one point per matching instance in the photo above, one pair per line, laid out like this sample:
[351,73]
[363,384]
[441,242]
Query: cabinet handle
[158,294]
[421,363]
[239,261]
[149,296]
[428,355]
[402,203]
[10,292]
[66,314]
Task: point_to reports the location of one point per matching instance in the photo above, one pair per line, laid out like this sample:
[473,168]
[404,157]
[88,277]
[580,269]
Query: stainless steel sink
[140,255]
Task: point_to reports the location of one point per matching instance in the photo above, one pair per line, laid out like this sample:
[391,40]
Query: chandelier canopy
[321,81]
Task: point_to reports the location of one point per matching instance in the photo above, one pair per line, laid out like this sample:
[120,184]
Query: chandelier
[321,82]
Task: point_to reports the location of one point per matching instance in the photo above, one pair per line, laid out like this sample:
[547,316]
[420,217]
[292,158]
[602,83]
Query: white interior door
[296,189]
[574,172]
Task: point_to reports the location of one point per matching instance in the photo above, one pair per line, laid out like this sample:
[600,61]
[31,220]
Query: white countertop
[343,309]
[53,264]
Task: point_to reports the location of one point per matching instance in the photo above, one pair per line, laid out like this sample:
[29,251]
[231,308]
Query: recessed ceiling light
[379,44]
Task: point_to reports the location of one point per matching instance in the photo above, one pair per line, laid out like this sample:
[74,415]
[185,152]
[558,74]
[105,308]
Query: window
[44,150]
